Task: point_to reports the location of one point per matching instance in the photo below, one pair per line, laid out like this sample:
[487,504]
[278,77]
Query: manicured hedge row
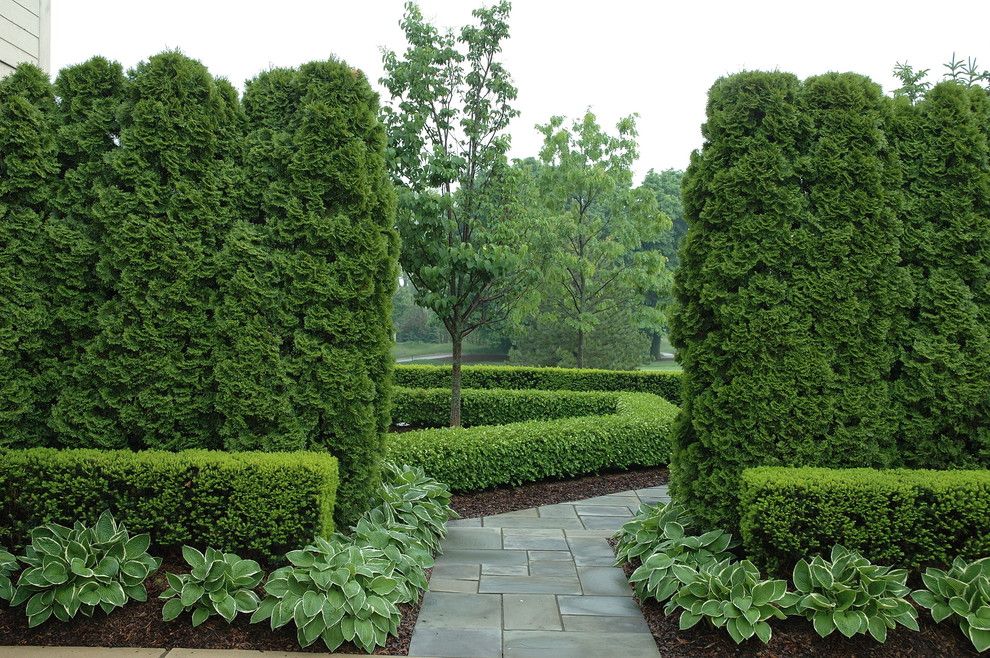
[665,384]
[469,459]
[267,503]
[430,407]
[902,517]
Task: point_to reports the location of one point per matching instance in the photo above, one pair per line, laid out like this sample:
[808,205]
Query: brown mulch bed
[551,492]
[795,638]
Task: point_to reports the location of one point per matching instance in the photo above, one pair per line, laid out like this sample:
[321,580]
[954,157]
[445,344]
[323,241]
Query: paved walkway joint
[536,583]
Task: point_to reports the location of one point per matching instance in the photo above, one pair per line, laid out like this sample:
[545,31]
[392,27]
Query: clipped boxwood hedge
[902,517]
[659,382]
[469,459]
[265,503]
[430,407]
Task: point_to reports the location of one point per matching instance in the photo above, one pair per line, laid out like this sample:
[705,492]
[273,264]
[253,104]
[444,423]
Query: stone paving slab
[456,643]
[549,644]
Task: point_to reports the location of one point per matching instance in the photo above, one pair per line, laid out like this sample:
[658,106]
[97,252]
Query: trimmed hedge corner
[470,459]
[901,517]
[658,382]
[267,503]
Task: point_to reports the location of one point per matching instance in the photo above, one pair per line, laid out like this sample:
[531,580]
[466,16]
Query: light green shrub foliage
[8,567]
[469,459]
[851,594]
[75,570]
[730,595]
[641,535]
[218,583]
[963,593]
[264,503]
[665,384]
[657,576]
[430,407]
[905,518]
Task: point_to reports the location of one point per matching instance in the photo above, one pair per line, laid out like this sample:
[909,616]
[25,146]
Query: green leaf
[878,629]
[688,620]
[764,632]
[847,622]
[200,614]
[194,558]
[980,639]
[226,607]
[136,545]
[802,576]
[172,609]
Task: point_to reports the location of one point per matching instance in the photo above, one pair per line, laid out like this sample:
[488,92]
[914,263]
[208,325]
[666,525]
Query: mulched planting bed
[141,625]
[551,492]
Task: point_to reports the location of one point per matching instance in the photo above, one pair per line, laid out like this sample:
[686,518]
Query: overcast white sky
[617,56]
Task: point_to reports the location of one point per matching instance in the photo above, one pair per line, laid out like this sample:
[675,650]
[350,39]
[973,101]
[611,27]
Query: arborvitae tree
[147,379]
[943,385]
[317,153]
[28,167]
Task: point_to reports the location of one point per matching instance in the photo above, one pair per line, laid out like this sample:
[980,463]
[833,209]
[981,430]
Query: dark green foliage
[901,517]
[665,384]
[943,385]
[789,286]
[28,168]
[252,502]
[666,185]
[615,344]
[426,407]
[489,455]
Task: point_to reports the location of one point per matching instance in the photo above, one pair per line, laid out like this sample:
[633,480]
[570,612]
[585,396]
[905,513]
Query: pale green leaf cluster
[218,583]
[420,504]
[8,566]
[962,592]
[75,570]
[851,594]
[657,576]
[642,534]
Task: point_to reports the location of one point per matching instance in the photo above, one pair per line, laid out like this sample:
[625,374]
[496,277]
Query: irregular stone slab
[534,542]
[591,552]
[552,568]
[602,606]
[453,610]
[628,499]
[591,623]
[469,538]
[561,511]
[453,585]
[604,522]
[604,581]
[464,523]
[524,522]
[548,644]
[602,510]
[531,612]
[456,642]
[505,570]
[555,556]
[530,585]
[457,571]
[482,556]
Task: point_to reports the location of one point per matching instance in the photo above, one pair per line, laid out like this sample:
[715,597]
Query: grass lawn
[666,364]
[416,348]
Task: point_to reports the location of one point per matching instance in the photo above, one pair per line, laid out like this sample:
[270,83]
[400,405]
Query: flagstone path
[536,583]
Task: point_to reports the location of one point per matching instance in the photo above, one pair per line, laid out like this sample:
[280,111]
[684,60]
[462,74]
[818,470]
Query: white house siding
[24,33]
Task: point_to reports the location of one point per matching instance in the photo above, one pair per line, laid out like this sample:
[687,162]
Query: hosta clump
[75,570]
[335,591]
[642,534]
[851,594]
[411,498]
[409,556]
[963,592]
[730,595]
[8,566]
[218,583]
[656,577]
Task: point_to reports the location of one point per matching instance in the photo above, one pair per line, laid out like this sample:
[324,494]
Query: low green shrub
[409,555]
[852,595]
[641,535]
[265,503]
[8,567]
[430,407]
[657,576]
[904,518]
[218,583]
[469,459]
[961,592]
[666,384]
[75,570]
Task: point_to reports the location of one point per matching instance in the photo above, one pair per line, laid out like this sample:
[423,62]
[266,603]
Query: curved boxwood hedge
[659,382]
[469,459]
[902,517]
[430,407]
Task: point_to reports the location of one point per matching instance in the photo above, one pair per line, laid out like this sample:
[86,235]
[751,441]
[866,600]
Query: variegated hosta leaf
[962,592]
[217,584]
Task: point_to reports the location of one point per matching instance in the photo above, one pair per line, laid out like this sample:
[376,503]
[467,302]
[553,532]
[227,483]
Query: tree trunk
[455,381]
[655,346]
[580,349]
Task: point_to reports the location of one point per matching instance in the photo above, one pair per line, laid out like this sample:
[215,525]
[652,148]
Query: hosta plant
[411,498]
[730,595]
[643,534]
[962,592]
[336,591]
[657,578]
[850,594]
[75,570]
[8,566]
[218,583]
[408,555]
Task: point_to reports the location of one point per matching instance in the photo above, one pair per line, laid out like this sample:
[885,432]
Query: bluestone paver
[470,538]
[452,610]
[603,581]
[530,584]
[533,612]
[593,623]
[602,606]
[548,644]
[456,642]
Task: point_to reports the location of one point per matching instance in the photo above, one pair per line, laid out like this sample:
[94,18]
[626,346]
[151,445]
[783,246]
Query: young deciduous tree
[463,234]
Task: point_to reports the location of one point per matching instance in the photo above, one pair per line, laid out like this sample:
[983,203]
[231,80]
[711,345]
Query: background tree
[463,233]
[597,271]
[667,187]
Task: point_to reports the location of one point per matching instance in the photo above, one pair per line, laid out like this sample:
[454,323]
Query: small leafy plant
[851,594]
[408,555]
[218,583]
[337,591]
[962,592]
[730,595]
[75,570]
[643,534]
[656,577]
[8,566]
[412,499]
